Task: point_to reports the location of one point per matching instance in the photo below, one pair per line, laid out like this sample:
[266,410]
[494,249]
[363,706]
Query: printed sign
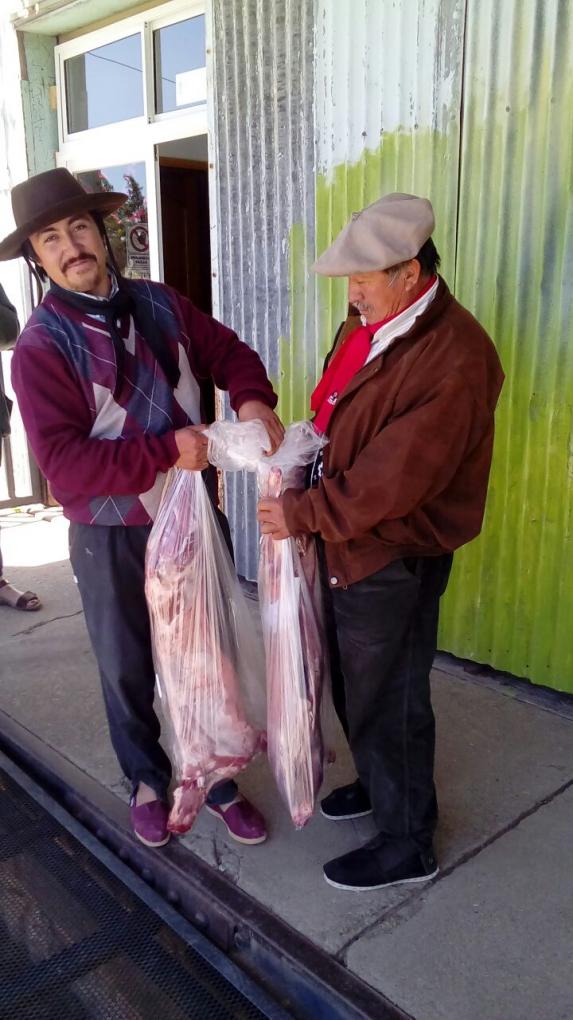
[137,240]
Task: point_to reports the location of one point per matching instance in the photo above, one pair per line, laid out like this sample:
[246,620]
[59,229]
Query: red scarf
[348,360]
[346,363]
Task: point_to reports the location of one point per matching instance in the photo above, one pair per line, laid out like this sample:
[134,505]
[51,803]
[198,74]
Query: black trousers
[109,566]
[382,635]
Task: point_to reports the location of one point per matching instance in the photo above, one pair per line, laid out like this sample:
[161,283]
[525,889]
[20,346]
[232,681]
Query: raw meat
[291,611]
[205,645]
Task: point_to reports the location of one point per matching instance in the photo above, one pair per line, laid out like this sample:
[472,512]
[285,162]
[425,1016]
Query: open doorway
[184,202]
[184,199]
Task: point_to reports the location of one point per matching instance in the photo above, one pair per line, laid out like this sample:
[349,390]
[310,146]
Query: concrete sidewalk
[489,939]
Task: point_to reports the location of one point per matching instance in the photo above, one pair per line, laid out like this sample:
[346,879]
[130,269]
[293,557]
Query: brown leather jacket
[407,465]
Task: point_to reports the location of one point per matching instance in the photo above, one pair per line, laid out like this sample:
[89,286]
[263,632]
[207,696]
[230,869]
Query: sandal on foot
[26,601]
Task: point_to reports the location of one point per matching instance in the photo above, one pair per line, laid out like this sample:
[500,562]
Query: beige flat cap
[389,231]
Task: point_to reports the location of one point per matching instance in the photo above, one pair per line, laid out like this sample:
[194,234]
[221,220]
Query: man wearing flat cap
[407,402]
[108,376]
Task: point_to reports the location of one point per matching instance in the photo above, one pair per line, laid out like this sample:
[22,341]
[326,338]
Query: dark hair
[37,274]
[428,258]
[31,257]
[100,224]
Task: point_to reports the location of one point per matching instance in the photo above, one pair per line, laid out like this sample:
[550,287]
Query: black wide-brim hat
[46,198]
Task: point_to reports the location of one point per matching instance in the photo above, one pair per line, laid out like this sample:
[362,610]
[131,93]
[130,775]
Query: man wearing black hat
[107,372]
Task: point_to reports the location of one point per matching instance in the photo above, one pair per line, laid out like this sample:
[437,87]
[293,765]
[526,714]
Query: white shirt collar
[401,324]
[113,291]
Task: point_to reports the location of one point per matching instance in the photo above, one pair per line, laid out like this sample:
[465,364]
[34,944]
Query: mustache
[78,258]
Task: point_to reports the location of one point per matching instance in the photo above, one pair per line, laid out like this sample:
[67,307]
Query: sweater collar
[118,301]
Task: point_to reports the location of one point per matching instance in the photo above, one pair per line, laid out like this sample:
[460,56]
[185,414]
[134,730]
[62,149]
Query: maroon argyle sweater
[105,457]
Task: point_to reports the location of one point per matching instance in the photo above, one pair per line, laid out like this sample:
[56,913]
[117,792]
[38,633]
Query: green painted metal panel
[41,124]
[511,600]
[492,147]
[388,98]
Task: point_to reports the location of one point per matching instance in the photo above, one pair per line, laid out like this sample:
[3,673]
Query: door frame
[136,140]
[17,442]
[139,153]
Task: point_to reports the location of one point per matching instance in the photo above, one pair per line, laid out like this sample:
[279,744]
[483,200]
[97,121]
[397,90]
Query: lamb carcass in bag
[295,655]
[291,612]
[205,647]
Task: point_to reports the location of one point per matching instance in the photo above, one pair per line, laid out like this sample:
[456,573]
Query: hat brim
[104,202]
[351,268]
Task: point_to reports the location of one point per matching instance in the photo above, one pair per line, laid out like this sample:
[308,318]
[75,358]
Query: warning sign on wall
[137,240]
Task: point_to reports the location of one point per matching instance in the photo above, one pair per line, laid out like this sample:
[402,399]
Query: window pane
[105,85]
[180,78]
[126,228]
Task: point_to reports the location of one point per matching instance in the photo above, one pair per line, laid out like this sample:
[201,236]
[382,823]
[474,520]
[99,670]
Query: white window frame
[161,127]
[135,140]
[128,154]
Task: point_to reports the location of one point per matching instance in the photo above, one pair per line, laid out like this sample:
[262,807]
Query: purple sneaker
[244,823]
[149,822]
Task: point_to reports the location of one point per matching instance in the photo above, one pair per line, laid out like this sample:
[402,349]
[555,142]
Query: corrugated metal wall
[511,601]
[264,151]
[388,93]
[471,103]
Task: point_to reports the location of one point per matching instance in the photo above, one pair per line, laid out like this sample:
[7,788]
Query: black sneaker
[364,869]
[346,802]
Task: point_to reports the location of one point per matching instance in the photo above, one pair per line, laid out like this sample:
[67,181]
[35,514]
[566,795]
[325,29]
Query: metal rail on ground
[85,938]
[287,968]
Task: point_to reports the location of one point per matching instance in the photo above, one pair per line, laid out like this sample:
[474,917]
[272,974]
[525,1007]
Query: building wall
[264,157]
[13,163]
[469,102]
[310,125]
[39,100]
[511,600]
[320,107]
[13,275]
[388,107]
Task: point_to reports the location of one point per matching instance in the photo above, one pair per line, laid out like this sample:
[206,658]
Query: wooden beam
[183,164]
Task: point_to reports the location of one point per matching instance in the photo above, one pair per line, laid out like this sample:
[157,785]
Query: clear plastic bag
[207,656]
[291,611]
[237,446]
